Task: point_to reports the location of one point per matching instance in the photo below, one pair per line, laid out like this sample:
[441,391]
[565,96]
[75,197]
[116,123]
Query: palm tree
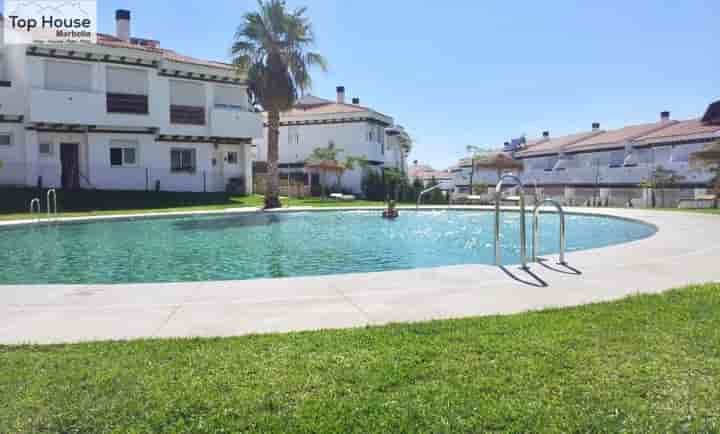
[272,45]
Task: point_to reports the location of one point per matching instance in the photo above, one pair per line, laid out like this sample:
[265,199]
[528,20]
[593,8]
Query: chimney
[664,116]
[356,101]
[546,134]
[122,20]
[596,126]
[340,94]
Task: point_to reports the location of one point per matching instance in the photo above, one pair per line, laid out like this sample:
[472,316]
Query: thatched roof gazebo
[709,155]
[325,166]
[499,161]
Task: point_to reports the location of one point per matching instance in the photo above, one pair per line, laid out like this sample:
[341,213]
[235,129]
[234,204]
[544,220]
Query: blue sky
[461,72]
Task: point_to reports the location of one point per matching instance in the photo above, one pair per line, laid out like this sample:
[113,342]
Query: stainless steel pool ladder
[35,208]
[424,192]
[523,235]
[536,229]
[52,194]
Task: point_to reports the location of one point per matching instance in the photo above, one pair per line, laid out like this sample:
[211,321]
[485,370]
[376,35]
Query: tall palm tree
[272,45]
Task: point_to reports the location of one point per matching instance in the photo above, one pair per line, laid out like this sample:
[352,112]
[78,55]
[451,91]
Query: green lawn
[15,202]
[644,364]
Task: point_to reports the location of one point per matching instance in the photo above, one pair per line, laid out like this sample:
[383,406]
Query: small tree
[479,188]
[659,180]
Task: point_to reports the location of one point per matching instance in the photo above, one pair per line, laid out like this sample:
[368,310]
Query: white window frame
[124,146]
[294,137]
[193,152]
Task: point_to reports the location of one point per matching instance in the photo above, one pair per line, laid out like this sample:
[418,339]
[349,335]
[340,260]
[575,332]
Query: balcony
[67,107]
[235,122]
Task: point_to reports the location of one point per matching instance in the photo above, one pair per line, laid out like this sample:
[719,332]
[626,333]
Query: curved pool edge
[684,250]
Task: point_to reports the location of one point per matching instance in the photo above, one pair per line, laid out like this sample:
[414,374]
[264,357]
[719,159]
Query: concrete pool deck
[685,250]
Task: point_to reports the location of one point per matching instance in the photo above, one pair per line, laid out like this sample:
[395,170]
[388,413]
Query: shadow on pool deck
[538,283]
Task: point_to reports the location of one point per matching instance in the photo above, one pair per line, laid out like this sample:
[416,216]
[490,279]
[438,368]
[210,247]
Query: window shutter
[184,93]
[232,96]
[68,76]
[127,81]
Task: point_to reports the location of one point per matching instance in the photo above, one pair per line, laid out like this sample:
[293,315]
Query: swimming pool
[262,245]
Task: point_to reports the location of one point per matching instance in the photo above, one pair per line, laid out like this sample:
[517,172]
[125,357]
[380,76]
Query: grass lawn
[644,364]
[15,202]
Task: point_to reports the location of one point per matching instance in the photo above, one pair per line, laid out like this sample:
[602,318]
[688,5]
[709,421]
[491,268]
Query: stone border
[684,250]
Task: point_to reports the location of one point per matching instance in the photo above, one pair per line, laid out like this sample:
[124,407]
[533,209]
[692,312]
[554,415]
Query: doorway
[70,165]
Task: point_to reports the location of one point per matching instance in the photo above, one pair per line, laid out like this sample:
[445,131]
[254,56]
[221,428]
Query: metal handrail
[523,235]
[52,193]
[35,209]
[536,229]
[428,190]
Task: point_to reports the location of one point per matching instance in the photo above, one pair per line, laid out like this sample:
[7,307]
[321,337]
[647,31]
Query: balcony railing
[187,115]
[127,103]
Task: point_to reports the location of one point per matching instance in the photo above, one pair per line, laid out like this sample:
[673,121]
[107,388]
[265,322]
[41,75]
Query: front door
[70,165]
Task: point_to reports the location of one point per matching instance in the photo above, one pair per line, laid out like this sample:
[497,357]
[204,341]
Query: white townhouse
[123,114]
[611,164]
[320,123]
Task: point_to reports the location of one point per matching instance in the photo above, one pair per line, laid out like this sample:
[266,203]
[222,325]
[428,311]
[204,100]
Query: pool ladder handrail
[52,194]
[428,190]
[35,210]
[523,234]
[536,229]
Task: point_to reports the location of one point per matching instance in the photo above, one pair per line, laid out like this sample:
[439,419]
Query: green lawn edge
[647,363]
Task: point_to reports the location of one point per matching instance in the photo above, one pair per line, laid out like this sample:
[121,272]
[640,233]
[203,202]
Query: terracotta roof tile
[618,137]
[690,127]
[554,144]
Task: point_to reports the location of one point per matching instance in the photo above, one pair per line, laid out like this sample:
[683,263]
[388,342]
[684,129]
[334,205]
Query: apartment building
[611,164]
[356,129]
[124,114]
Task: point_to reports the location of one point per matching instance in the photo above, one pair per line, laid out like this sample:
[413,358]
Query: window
[371,134]
[232,158]
[45,148]
[187,103]
[681,153]
[123,153]
[72,76]
[5,140]
[185,93]
[182,160]
[617,158]
[294,135]
[127,91]
[230,97]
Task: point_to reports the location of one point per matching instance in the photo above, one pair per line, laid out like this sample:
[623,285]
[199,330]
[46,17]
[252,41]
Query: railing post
[523,234]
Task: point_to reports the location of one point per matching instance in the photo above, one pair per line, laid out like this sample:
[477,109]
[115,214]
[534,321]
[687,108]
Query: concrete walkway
[685,250]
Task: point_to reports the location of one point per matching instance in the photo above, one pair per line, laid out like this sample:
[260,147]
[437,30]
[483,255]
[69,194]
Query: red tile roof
[682,129]
[620,136]
[151,46]
[554,145]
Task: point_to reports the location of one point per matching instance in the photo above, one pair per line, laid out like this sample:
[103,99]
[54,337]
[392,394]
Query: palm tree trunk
[272,190]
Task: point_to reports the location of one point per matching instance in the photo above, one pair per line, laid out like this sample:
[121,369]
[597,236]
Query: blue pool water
[231,247]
